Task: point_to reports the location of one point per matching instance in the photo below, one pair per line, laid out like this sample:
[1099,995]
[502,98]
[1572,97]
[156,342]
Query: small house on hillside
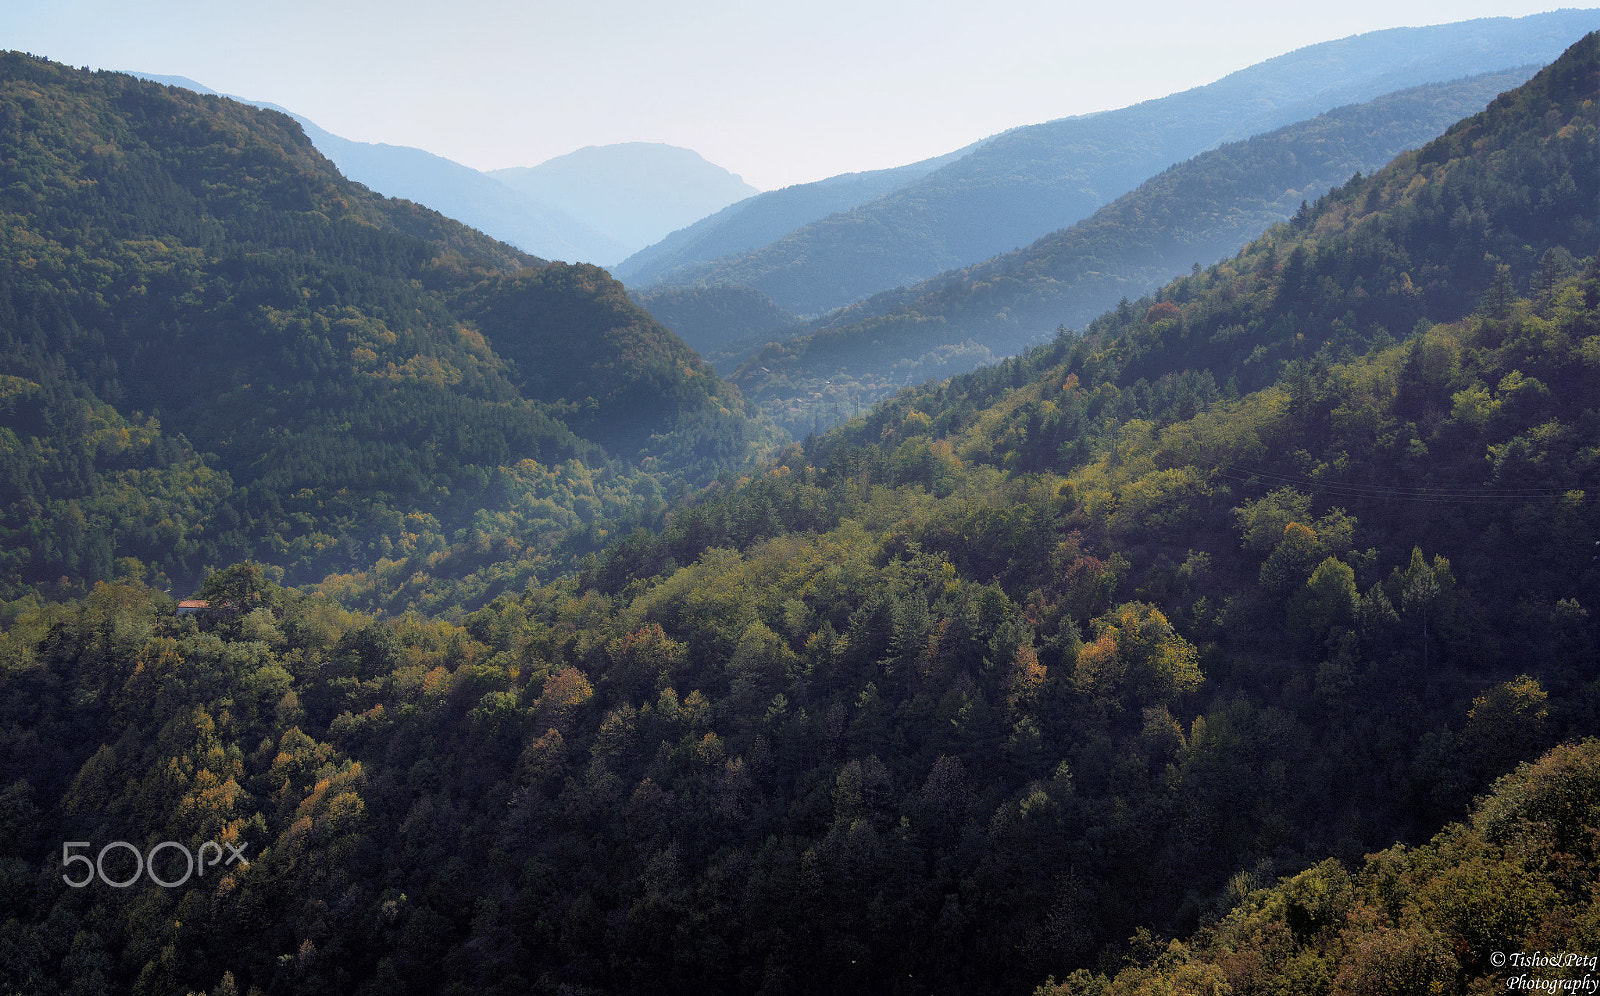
[190,606]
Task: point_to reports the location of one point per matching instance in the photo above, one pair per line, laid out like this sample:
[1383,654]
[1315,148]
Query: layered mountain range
[1168,656]
[1020,185]
[1192,214]
[750,224]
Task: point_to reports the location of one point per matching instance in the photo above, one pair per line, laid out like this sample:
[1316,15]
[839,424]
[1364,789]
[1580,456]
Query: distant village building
[190,606]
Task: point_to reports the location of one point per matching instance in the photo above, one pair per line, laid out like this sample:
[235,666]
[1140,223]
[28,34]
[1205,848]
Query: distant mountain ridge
[752,223]
[463,193]
[1500,204]
[1196,212]
[1029,181]
[599,213]
[633,192]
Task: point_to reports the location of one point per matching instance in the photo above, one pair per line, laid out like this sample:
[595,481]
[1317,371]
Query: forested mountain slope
[904,715]
[213,346]
[960,696]
[1033,180]
[1194,213]
[716,320]
[1503,901]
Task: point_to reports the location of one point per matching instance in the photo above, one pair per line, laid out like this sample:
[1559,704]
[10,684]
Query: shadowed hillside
[214,346]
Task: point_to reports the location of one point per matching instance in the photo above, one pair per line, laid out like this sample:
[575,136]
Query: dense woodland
[1518,877]
[1166,658]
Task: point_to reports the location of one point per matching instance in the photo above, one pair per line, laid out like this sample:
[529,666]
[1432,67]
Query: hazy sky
[777,94]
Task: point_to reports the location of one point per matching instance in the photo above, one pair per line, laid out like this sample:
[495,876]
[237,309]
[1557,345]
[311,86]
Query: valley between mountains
[1198,596]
